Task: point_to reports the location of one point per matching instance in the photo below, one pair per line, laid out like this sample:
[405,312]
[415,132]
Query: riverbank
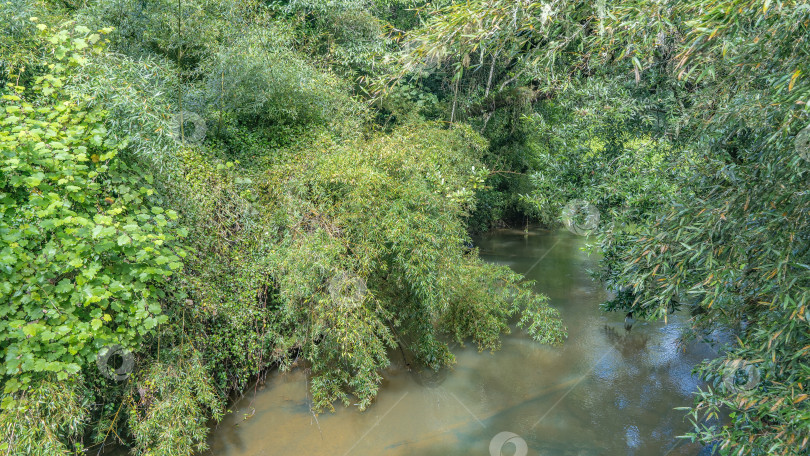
[605,391]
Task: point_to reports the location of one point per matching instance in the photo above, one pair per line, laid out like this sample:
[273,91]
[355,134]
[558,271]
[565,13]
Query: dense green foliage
[313,199]
[299,228]
[85,254]
[679,120]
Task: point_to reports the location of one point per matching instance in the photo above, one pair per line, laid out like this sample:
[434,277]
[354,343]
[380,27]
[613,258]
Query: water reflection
[607,391]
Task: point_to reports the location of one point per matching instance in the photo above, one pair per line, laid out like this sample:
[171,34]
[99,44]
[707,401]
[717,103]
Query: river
[606,391]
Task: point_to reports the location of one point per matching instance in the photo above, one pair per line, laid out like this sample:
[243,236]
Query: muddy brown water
[605,392]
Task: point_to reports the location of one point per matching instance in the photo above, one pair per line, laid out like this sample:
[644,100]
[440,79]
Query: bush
[85,251]
[272,87]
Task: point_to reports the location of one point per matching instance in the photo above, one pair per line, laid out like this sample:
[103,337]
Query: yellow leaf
[793,79]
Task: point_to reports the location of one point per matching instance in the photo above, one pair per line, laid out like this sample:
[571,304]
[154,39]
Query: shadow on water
[607,391]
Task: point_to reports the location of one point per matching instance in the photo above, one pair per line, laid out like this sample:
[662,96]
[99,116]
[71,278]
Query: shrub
[85,251]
